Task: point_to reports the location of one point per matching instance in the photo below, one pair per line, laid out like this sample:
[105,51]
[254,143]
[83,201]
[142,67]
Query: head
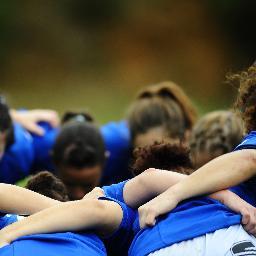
[160,112]
[45,183]
[6,127]
[166,156]
[215,134]
[245,104]
[79,156]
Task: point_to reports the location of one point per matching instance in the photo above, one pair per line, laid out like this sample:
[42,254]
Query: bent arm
[148,185]
[14,199]
[98,215]
[222,172]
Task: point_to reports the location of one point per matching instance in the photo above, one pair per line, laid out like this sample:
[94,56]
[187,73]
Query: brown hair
[245,103]
[166,156]
[164,104]
[47,184]
[216,133]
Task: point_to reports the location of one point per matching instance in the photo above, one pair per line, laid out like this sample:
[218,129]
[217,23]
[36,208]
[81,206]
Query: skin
[80,181]
[222,172]
[14,199]
[201,158]
[152,135]
[29,119]
[2,143]
[104,217]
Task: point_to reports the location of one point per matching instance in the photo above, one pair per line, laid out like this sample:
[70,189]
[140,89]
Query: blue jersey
[119,242]
[122,238]
[115,191]
[249,142]
[54,244]
[116,137]
[18,158]
[193,217]
[42,148]
[28,153]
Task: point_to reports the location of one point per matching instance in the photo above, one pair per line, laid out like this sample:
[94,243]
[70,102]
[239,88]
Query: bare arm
[14,199]
[148,185]
[101,216]
[223,172]
[29,119]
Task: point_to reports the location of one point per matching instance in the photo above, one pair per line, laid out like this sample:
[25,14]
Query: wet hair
[47,184]
[76,116]
[161,105]
[6,124]
[245,104]
[166,156]
[78,145]
[216,133]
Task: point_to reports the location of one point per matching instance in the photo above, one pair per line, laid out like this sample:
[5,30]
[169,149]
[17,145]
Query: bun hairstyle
[166,156]
[164,104]
[6,124]
[45,183]
[76,116]
[79,145]
[245,104]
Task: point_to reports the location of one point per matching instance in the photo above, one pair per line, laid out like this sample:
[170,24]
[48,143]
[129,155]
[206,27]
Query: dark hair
[216,133]
[166,156]
[47,184]
[245,104]
[6,124]
[76,116]
[79,145]
[164,104]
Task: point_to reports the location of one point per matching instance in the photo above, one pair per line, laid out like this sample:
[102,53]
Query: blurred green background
[96,54]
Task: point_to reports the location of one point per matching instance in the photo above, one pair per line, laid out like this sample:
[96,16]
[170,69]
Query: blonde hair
[217,132]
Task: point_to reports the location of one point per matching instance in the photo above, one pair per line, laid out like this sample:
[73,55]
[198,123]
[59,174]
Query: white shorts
[232,241]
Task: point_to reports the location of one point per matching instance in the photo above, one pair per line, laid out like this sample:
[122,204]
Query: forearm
[149,184]
[14,199]
[69,216]
[223,172]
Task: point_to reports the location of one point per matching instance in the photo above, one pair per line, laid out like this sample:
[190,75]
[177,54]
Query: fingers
[49,116]
[147,216]
[249,220]
[95,193]
[34,128]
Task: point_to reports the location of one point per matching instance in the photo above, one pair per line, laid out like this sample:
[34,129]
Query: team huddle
[160,182]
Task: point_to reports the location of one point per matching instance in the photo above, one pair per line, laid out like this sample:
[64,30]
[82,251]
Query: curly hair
[45,183]
[245,103]
[166,156]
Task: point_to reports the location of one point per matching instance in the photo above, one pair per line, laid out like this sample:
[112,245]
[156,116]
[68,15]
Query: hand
[29,119]
[249,219]
[94,194]
[248,212]
[154,208]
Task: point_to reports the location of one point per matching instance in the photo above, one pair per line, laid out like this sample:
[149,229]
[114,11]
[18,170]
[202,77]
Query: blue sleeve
[18,158]
[115,191]
[7,219]
[119,242]
[43,146]
[249,142]
[116,137]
